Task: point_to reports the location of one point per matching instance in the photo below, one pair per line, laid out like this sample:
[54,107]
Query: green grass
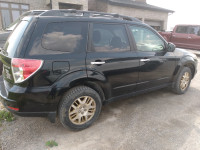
[51,143]
[6,116]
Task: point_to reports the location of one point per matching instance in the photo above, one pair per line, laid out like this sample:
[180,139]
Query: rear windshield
[13,41]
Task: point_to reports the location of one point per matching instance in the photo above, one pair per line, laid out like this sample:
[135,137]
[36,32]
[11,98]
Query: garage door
[155,24]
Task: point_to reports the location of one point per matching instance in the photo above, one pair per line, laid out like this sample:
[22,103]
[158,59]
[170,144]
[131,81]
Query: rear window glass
[13,41]
[64,36]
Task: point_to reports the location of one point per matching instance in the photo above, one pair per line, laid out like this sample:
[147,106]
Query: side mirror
[171,47]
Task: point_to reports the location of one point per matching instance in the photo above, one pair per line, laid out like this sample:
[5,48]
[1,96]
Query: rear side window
[109,37]
[64,36]
[182,29]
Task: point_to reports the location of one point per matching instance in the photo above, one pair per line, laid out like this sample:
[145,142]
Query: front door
[110,58]
[156,64]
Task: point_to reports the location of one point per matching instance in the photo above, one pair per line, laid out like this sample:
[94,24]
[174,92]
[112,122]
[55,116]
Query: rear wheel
[79,108]
[183,81]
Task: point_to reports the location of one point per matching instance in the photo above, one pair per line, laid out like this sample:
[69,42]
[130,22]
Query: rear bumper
[11,103]
[27,105]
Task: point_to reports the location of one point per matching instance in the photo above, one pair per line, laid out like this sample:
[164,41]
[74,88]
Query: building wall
[45,4]
[34,4]
[141,14]
[97,5]
[92,5]
[84,3]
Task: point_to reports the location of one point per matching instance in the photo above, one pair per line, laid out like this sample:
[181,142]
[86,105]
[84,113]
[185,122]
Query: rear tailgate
[10,50]
[7,70]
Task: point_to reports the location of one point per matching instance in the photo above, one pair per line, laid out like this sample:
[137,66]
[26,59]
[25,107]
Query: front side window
[64,36]
[182,29]
[109,37]
[146,40]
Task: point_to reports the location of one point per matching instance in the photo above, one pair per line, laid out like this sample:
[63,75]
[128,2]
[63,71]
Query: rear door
[62,47]
[180,36]
[110,56]
[156,64]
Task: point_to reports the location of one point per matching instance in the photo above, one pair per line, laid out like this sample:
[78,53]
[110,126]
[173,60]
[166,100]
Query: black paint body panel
[122,75]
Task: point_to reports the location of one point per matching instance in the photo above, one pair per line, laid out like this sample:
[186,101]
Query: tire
[79,108]
[178,88]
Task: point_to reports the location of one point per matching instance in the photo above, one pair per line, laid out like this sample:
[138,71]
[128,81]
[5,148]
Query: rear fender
[80,78]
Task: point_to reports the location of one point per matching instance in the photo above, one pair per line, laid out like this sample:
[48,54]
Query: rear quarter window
[64,36]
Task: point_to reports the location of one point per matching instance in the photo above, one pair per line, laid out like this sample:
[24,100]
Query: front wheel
[79,108]
[183,81]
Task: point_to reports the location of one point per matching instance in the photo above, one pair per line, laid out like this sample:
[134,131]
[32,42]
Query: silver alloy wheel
[82,110]
[185,81]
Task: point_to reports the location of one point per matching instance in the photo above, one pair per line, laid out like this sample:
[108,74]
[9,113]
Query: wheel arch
[187,61]
[80,79]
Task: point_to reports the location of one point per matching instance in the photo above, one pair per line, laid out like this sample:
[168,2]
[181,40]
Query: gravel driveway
[159,120]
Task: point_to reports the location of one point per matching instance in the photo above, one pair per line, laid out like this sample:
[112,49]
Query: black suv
[68,62]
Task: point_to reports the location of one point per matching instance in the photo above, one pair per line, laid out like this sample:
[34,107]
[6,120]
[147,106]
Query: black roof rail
[74,12]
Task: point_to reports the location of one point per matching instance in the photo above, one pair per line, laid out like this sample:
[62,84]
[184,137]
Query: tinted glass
[182,29]
[64,37]
[146,40]
[110,37]
[14,39]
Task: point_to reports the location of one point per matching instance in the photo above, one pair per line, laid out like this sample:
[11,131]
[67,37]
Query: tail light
[13,108]
[24,68]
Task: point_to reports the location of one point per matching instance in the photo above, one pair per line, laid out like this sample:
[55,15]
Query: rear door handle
[144,60]
[98,63]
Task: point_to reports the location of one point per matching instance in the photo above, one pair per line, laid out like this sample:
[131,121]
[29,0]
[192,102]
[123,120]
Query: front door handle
[144,60]
[98,63]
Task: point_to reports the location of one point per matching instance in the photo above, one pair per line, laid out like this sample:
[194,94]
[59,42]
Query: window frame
[90,37]
[153,31]
[10,9]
